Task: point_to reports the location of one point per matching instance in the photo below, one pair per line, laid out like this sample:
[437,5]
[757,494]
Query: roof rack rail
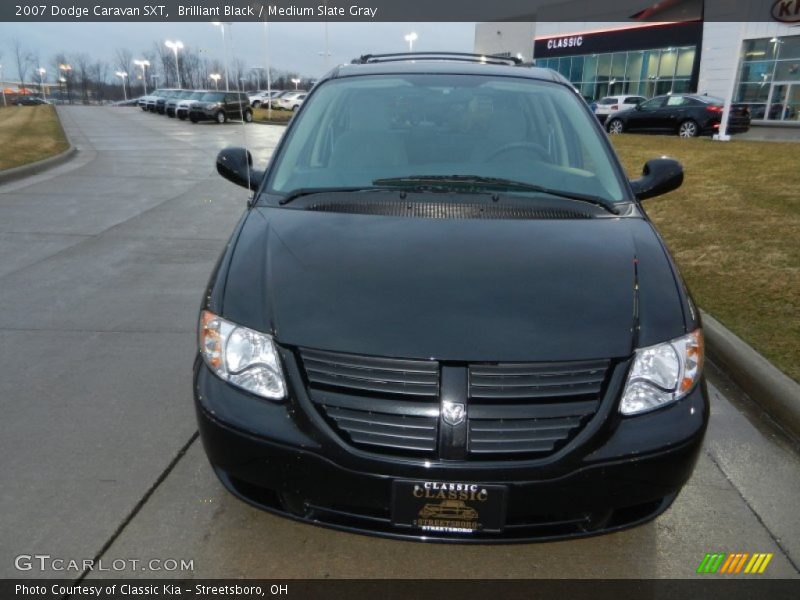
[490,59]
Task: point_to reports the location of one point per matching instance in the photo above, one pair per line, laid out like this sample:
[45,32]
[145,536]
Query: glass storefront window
[640,72]
[564,65]
[618,64]
[757,71]
[650,64]
[669,60]
[769,66]
[576,71]
[752,92]
[603,66]
[761,49]
[787,70]
[685,62]
[789,47]
[634,69]
[590,68]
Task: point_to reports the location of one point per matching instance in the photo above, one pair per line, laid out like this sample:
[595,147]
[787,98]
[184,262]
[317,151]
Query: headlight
[245,358]
[211,105]
[663,373]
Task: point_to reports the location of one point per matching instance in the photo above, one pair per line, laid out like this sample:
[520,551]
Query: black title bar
[786,11]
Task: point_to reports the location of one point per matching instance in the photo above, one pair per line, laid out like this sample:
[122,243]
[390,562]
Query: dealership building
[671,47]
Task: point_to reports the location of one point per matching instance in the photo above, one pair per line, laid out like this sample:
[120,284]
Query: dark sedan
[28,101]
[687,115]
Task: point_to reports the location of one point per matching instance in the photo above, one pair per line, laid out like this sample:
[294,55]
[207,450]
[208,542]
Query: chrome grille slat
[531,409]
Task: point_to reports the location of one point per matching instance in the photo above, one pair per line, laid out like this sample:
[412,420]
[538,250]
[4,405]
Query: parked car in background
[262,97]
[221,106]
[161,101]
[688,115]
[280,95]
[28,101]
[183,106]
[611,104]
[152,100]
[291,101]
[171,107]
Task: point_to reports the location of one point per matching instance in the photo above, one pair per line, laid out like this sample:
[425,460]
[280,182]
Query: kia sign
[786,11]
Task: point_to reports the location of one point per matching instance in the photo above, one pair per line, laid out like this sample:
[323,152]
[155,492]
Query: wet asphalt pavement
[104,262]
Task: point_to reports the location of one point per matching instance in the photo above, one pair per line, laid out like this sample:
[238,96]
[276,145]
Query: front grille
[377,403]
[515,410]
[530,409]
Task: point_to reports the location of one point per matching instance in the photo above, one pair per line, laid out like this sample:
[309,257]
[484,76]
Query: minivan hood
[449,289]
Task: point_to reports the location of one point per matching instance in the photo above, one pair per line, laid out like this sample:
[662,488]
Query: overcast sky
[293,46]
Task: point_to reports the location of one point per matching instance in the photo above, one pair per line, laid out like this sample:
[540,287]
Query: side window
[230,98]
[676,101]
[653,104]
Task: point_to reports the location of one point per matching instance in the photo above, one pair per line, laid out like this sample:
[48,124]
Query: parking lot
[105,261]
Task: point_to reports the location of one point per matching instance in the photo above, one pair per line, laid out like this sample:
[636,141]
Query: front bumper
[278,457]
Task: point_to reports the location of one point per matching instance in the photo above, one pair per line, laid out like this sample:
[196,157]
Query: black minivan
[445,315]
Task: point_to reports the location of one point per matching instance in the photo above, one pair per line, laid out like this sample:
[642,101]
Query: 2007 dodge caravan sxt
[445,293]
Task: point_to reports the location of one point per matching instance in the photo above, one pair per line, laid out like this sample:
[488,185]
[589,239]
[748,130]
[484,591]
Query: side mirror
[659,176]
[236,164]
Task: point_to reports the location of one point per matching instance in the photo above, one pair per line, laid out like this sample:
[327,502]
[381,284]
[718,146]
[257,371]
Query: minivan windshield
[355,132]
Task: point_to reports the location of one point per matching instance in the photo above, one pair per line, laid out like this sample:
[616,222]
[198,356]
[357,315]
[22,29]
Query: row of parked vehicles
[216,105]
[687,115]
[199,105]
[280,99]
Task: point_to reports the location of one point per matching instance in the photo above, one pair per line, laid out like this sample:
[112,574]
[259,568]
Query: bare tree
[82,67]
[166,63]
[23,59]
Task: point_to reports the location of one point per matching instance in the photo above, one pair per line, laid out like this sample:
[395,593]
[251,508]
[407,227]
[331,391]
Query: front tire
[248,116]
[256,104]
[615,127]
[295,107]
[688,129]
[193,119]
[221,118]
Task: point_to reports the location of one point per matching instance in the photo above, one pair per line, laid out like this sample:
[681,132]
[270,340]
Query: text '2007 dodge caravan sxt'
[445,315]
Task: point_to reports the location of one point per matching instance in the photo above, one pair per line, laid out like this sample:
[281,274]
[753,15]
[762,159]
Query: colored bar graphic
[733,563]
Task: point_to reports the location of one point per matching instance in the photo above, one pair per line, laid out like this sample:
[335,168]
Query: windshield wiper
[498,183]
[300,192]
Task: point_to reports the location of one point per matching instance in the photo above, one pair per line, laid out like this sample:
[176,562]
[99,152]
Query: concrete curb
[37,167]
[777,393]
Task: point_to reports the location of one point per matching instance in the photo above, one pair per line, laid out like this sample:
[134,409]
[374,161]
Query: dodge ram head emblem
[453,413]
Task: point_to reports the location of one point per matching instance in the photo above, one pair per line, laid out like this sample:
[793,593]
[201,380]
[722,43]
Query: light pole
[175,46]
[67,71]
[411,38]
[143,64]
[123,75]
[42,71]
[269,76]
[215,78]
[296,82]
[2,86]
[221,26]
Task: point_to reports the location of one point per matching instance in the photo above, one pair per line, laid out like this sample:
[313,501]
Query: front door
[646,115]
[784,104]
